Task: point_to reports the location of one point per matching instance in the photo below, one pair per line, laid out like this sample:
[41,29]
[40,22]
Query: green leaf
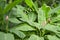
[35,37]
[56,19]
[32,16]
[24,27]
[23,15]
[34,24]
[52,37]
[29,3]
[52,28]
[58,34]
[18,33]
[41,17]
[46,9]
[11,5]
[36,4]
[17,12]
[6,36]
[14,20]
[54,10]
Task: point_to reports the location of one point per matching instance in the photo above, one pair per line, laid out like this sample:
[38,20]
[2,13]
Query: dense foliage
[29,20]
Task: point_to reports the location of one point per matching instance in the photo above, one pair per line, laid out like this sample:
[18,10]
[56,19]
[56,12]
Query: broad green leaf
[24,27]
[52,28]
[32,16]
[6,36]
[18,33]
[34,24]
[11,5]
[52,37]
[15,11]
[41,17]
[29,3]
[14,20]
[35,37]
[23,15]
[46,9]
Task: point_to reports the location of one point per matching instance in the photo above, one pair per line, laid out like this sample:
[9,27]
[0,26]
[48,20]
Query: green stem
[7,26]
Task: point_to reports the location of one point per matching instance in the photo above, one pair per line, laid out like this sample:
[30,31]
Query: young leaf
[4,36]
